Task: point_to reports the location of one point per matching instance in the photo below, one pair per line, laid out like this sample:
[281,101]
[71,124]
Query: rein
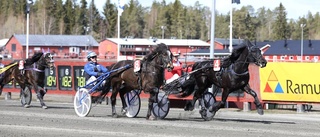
[153,63]
[43,65]
[34,68]
[235,73]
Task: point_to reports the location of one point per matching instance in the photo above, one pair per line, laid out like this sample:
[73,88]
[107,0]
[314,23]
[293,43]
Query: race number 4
[216,65]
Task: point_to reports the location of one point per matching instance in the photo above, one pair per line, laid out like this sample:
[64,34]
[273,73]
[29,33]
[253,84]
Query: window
[13,48]
[290,57]
[307,57]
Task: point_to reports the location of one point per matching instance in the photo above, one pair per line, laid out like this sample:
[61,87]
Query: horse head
[255,55]
[163,56]
[47,59]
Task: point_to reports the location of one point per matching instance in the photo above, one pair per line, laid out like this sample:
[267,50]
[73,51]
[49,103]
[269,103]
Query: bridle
[163,59]
[43,63]
[250,49]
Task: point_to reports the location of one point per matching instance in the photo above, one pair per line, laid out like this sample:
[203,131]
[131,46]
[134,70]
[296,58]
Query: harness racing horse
[233,75]
[149,78]
[31,75]
[8,69]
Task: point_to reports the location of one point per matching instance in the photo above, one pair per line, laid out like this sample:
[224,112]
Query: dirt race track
[60,120]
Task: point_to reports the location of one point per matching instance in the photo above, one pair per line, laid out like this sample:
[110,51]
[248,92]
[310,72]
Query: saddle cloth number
[21,64]
[136,66]
[216,65]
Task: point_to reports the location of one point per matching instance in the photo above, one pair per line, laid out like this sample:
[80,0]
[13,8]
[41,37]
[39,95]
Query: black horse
[149,78]
[31,75]
[234,75]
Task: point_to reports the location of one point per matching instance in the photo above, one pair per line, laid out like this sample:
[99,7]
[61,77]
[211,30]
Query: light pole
[29,2]
[230,27]
[162,27]
[302,26]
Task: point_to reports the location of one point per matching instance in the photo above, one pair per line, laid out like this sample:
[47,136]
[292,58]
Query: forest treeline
[172,20]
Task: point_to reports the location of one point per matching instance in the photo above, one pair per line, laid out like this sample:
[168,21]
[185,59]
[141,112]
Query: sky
[294,8]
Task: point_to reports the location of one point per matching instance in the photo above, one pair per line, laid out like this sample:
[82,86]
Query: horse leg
[103,93]
[197,96]
[248,90]
[190,104]
[40,97]
[115,91]
[220,104]
[152,99]
[1,87]
[122,93]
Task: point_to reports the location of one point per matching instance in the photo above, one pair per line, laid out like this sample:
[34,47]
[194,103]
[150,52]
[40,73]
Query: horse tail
[188,86]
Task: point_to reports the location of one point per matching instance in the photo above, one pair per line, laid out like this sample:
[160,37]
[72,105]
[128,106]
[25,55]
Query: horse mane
[159,49]
[36,56]
[237,51]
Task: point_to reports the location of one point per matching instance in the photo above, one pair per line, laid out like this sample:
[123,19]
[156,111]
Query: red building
[63,46]
[135,48]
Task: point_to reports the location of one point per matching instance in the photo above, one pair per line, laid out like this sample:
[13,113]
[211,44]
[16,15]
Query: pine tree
[95,20]
[110,20]
[83,20]
[69,17]
[280,25]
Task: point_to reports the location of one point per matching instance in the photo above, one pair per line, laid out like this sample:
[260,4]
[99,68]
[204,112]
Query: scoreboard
[79,78]
[65,77]
[50,79]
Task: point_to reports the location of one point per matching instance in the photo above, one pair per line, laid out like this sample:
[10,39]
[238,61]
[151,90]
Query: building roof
[219,51]
[130,41]
[224,41]
[3,42]
[169,42]
[293,47]
[57,40]
[207,52]
[184,42]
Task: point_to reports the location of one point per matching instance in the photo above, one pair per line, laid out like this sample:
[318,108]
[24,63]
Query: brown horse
[31,75]
[233,76]
[149,78]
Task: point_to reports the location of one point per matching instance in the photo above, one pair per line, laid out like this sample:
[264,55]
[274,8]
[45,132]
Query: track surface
[60,120]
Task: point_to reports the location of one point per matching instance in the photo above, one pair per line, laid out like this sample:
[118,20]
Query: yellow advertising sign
[290,82]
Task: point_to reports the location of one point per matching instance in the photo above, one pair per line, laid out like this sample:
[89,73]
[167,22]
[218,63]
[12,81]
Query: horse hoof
[124,112]
[188,108]
[26,106]
[151,118]
[44,107]
[260,111]
[115,115]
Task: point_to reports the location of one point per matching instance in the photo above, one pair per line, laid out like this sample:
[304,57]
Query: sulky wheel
[207,101]
[82,102]
[161,108]
[133,103]
[26,96]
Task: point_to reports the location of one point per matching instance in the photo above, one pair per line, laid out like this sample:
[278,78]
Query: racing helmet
[91,54]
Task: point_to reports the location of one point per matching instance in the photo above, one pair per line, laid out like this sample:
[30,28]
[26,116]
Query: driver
[1,65]
[93,69]
[177,70]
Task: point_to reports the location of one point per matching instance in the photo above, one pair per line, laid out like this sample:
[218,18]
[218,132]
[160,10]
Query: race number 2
[65,79]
